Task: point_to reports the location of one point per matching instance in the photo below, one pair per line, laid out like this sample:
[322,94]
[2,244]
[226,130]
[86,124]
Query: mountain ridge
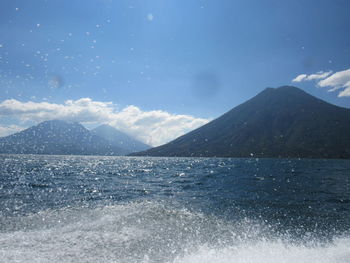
[58,137]
[277,122]
[119,138]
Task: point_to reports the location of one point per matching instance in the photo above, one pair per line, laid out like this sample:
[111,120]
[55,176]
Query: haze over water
[124,209]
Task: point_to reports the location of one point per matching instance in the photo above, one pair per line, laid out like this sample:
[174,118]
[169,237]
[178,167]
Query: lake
[139,209]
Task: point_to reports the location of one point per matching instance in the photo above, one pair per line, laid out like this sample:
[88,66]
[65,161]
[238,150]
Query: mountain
[119,138]
[283,122]
[58,137]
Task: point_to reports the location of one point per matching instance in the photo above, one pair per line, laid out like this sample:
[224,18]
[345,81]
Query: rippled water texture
[121,209]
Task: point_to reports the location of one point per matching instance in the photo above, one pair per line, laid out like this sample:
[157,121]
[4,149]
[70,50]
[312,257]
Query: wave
[153,232]
[272,252]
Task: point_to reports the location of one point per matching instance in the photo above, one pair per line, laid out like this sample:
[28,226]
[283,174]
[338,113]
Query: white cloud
[318,75]
[82,110]
[10,129]
[345,93]
[300,78]
[152,127]
[338,81]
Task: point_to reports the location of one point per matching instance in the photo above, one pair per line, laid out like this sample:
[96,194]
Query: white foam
[152,232]
[272,252]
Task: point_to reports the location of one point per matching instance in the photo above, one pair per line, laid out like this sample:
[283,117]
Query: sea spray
[105,209]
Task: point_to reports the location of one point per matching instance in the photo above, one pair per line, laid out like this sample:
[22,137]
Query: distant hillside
[58,137]
[119,139]
[281,122]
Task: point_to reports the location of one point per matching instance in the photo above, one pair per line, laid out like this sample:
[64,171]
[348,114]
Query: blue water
[130,209]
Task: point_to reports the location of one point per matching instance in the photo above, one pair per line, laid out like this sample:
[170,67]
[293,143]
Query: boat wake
[154,232]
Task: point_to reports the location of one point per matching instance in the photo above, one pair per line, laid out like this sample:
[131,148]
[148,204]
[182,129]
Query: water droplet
[150,17]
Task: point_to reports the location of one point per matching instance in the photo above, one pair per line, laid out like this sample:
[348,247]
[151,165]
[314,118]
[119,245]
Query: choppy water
[124,209]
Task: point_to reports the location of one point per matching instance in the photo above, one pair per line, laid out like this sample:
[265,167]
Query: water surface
[128,209]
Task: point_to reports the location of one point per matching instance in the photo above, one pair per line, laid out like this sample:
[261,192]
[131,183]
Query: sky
[157,69]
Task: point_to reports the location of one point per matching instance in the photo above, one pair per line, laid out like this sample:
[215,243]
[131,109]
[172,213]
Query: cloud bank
[339,81]
[10,129]
[152,127]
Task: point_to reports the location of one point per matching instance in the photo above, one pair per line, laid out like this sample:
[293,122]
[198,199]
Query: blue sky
[181,57]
